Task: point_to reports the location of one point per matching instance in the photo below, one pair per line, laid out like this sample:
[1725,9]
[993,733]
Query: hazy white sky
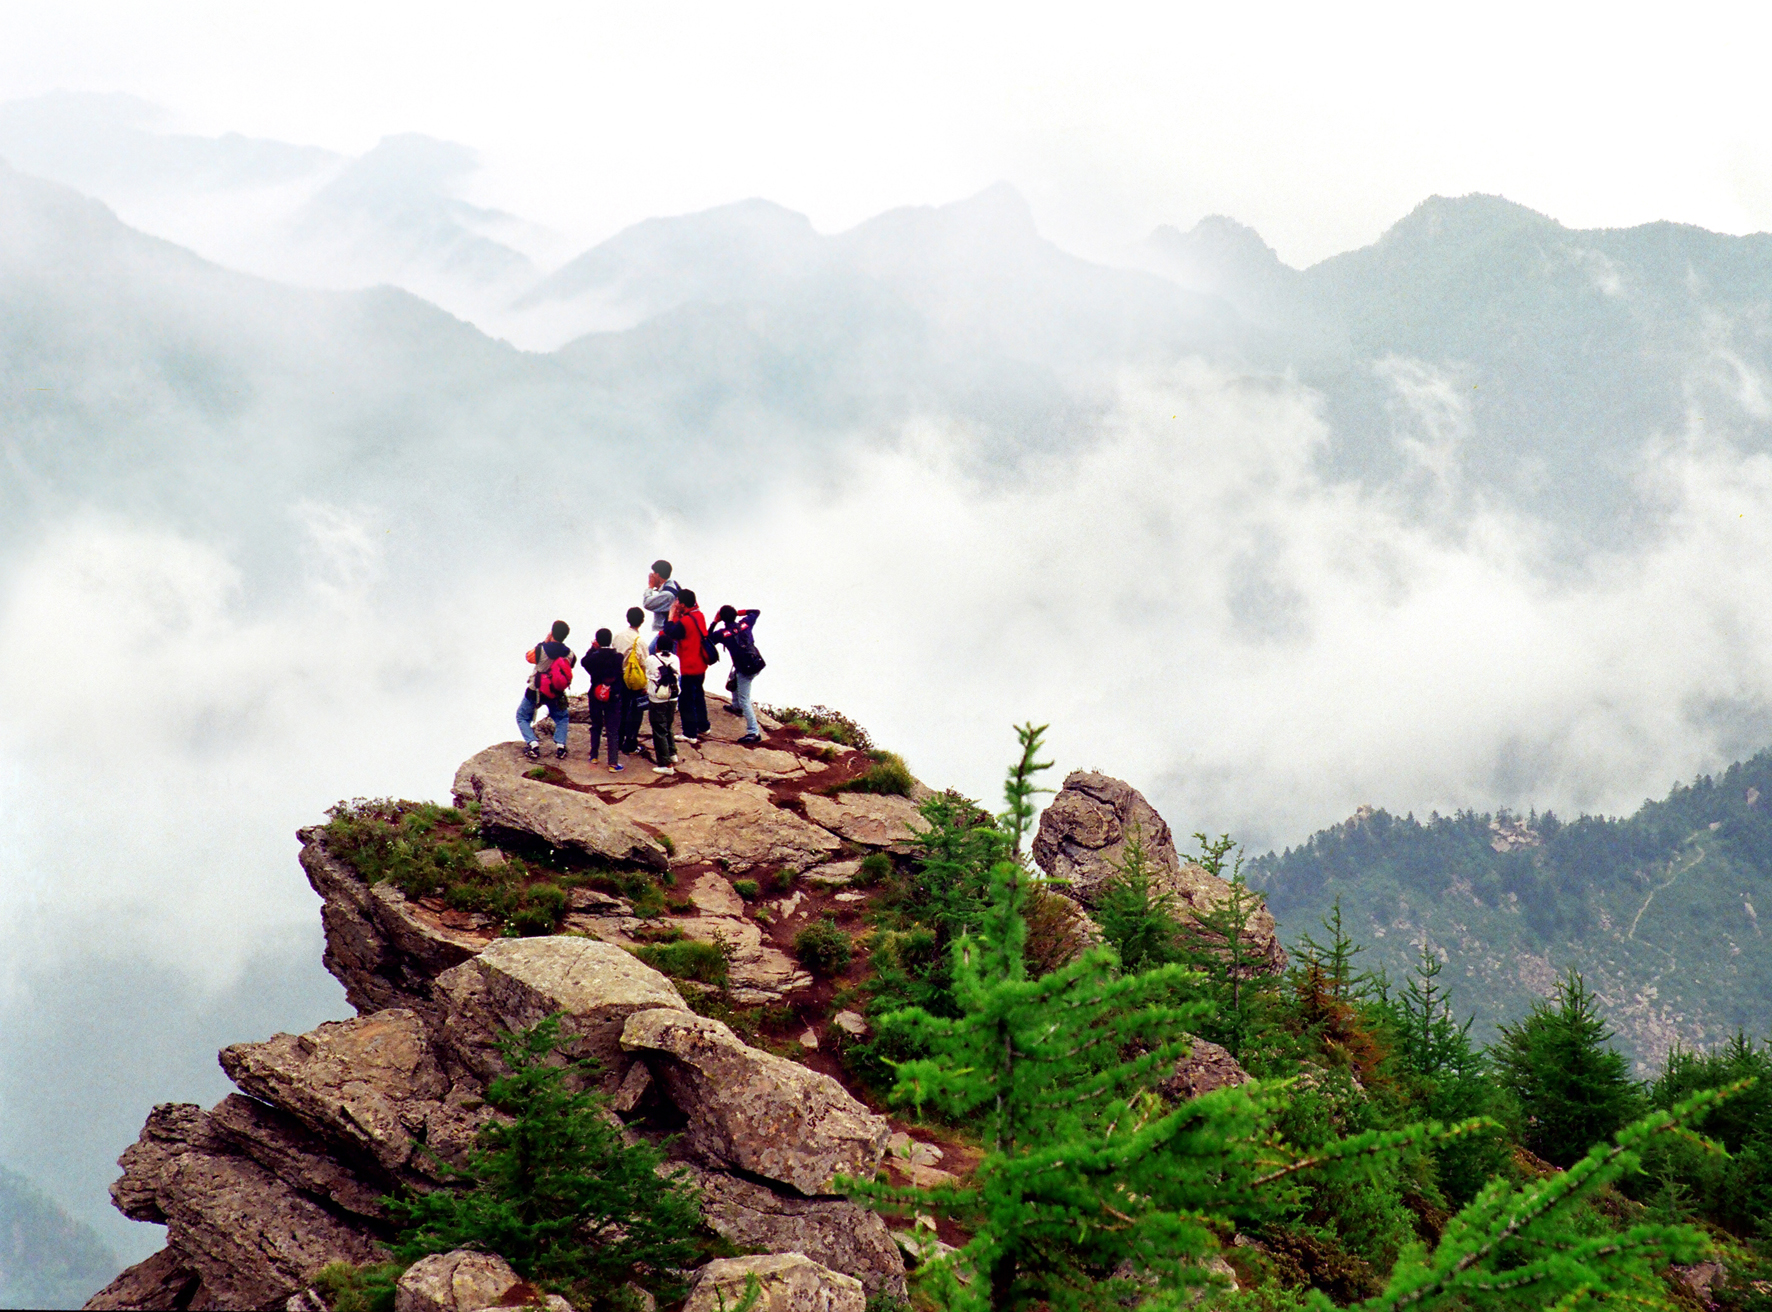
[1318,124]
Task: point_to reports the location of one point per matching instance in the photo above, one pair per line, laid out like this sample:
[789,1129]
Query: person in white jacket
[661,697]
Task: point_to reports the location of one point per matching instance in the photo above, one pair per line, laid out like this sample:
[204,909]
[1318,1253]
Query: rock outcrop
[737,826]
[873,821]
[384,948]
[1081,843]
[1206,1068]
[517,982]
[561,817]
[372,1083]
[250,1238]
[754,1111]
[833,1232]
[788,1282]
[288,1174]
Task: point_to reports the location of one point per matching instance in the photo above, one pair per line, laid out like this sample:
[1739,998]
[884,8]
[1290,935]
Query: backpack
[746,659]
[710,650]
[549,683]
[633,669]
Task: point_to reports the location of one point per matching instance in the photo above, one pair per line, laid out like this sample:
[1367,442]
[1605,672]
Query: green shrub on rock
[555,1191]
[823,948]
[887,776]
[876,867]
[347,1288]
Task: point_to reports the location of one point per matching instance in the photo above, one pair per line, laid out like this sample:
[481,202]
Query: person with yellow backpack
[632,647]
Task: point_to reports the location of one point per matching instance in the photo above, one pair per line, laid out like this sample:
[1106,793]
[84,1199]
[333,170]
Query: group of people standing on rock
[635,675]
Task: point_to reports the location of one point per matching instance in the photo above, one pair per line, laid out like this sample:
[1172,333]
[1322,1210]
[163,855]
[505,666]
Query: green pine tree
[1573,1089]
[1537,1245]
[554,1190]
[1445,1076]
[1219,942]
[1139,921]
[1086,1172]
[1043,1064]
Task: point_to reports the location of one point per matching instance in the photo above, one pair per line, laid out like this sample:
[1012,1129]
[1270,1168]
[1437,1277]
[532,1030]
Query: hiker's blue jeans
[526,718]
[741,701]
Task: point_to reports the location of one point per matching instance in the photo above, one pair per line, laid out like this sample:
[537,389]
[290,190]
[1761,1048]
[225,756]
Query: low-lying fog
[1185,601]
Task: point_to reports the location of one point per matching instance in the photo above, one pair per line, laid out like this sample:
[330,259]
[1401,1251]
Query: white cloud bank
[1187,601]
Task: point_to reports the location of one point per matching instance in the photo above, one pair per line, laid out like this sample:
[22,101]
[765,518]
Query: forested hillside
[1658,910]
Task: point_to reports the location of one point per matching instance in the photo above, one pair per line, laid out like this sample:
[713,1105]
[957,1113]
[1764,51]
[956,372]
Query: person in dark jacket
[542,656]
[692,702]
[732,630]
[608,695]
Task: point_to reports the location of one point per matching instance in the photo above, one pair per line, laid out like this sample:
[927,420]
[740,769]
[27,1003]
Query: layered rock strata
[287,1175]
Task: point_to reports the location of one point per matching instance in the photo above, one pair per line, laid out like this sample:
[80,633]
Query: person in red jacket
[692,702]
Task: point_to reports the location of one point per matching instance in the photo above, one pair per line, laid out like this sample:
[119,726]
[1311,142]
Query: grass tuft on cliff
[887,776]
[431,851]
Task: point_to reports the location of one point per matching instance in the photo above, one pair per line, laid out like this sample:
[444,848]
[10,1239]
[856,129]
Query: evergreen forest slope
[1658,910]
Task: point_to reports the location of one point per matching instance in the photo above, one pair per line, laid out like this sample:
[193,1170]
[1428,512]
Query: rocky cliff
[740,850]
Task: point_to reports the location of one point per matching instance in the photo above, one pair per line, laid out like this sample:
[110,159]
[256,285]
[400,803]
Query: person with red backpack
[608,695]
[554,665]
[694,654]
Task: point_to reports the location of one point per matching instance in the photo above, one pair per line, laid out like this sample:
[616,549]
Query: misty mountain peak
[730,252]
[1451,221]
[399,167]
[986,226]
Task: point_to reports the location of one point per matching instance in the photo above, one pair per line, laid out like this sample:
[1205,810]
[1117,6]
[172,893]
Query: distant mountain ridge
[47,1259]
[1659,910]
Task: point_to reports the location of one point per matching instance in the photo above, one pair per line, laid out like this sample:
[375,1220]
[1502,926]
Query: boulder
[759,973]
[562,817]
[517,982]
[790,1282]
[1082,841]
[1204,1068]
[738,826]
[831,1231]
[753,1111]
[869,819]
[369,1083]
[382,947]
[251,1239]
[466,1281]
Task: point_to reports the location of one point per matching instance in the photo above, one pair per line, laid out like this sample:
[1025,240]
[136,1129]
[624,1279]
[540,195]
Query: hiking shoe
[663,769]
[750,738]
[559,753]
[618,767]
[533,752]
[732,710]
